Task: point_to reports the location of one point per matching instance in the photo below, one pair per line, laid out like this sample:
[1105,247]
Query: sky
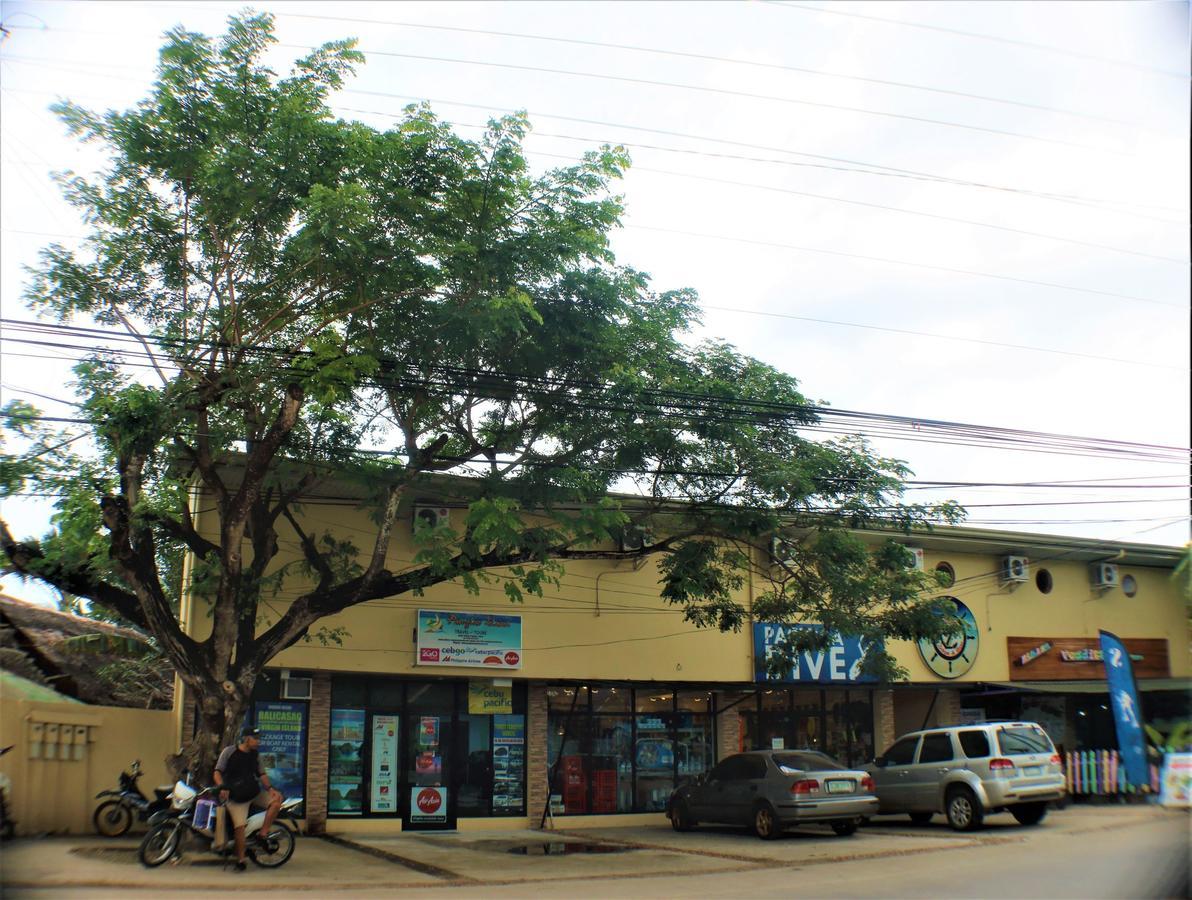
[967,212]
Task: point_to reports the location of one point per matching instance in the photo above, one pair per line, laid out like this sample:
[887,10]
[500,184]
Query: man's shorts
[238,812]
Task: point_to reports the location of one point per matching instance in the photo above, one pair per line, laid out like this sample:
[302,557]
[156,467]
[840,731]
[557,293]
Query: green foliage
[329,304]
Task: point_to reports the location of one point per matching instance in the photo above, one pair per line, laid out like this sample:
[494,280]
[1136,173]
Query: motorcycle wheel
[112,818]
[159,844]
[273,849]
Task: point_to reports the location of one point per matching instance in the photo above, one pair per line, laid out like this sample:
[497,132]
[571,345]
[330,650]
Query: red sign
[511,658]
[429,801]
[428,654]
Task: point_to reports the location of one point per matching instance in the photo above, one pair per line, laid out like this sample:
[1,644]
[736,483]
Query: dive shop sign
[839,664]
[1071,659]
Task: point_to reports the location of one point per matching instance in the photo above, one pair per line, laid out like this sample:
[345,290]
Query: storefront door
[430,801]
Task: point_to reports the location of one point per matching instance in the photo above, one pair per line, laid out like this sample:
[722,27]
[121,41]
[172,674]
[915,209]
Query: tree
[313,299]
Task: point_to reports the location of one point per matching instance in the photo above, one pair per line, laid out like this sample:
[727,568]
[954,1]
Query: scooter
[195,812]
[8,828]
[115,816]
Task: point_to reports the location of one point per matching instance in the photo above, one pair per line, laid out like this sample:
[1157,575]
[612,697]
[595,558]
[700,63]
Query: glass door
[430,802]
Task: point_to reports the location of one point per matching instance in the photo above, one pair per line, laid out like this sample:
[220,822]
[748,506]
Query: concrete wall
[58,795]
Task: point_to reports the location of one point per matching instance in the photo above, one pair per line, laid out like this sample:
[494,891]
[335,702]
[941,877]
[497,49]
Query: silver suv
[968,771]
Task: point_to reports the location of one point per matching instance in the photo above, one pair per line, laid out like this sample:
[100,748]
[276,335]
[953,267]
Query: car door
[746,786]
[711,800]
[937,757]
[891,776]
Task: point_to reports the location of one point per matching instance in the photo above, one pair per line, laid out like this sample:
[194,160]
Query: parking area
[475,859]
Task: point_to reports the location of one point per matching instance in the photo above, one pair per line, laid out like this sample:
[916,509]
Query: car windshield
[1023,739]
[790,763]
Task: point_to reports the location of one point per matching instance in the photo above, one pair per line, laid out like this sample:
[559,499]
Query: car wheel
[1029,813]
[844,829]
[921,818]
[963,809]
[681,817]
[765,822]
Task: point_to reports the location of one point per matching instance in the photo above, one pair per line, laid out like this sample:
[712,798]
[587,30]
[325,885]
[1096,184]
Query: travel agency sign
[481,640]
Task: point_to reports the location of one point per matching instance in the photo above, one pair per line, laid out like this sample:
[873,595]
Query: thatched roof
[33,645]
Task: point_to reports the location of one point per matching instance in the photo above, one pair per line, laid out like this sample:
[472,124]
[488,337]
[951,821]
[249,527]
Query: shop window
[650,701]
[654,754]
[385,693]
[562,699]
[474,795]
[848,724]
[349,691]
[611,763]
[610,699]
[695,741]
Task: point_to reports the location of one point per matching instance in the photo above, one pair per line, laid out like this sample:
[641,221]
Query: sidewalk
[474,860]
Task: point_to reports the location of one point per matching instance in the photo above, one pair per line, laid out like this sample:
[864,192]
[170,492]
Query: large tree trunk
[221,714]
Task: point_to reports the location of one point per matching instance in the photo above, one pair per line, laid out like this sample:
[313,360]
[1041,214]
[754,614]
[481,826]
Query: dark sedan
[770,790]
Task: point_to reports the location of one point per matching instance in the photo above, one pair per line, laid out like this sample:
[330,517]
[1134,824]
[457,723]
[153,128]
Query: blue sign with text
[1127,715]
[840,663]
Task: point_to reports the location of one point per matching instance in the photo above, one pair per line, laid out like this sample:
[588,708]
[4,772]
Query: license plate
[1032,770]
[840,786]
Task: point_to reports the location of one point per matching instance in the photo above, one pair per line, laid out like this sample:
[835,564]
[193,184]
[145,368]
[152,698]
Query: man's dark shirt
[239,767]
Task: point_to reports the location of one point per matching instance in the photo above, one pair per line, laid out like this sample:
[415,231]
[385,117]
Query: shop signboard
[283,745]
[428,805]
[1080,658]
[509,763]
[952,655]
[479,640]
[839,664]
[486,698]
[384,764]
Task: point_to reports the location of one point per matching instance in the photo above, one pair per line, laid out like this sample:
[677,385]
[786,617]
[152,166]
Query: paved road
[1093,853]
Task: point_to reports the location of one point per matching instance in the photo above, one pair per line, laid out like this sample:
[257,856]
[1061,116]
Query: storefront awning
[1092,687]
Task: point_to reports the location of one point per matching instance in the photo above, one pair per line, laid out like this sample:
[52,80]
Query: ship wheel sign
[954,654]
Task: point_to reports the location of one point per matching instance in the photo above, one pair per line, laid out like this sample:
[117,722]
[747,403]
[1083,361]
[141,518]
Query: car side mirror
[880,762]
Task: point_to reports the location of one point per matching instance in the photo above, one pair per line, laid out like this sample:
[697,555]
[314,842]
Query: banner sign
[384,764]
[1127,715]
[283,745]
[486,698]
[839,664]
[1072,658]
[509,763]
[483,640]
[428,805]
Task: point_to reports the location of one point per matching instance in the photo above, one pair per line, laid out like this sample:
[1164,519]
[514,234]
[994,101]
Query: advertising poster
[428,732]
[485,698]
[428,805]
[384,764]
[1176,786]
[345,789]
[482,640]
[839,664]
[283,745]
[509,763]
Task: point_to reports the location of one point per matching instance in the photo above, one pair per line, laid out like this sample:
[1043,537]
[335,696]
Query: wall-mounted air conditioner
[295,688]
[917,563]
[1104,576]
[1015,570]
[431,517]
[634,537]
[782,551]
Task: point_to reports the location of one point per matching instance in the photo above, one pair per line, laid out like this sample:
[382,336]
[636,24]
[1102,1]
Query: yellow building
[462,710]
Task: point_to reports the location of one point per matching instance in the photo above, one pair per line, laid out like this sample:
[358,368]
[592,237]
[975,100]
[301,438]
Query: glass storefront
[426,751]
[836,721]
[622,749]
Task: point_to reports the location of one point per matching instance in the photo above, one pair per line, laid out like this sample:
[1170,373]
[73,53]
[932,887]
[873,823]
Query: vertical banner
[384,764]
[283,745]
[345,793]
[1127,715]
[509,763]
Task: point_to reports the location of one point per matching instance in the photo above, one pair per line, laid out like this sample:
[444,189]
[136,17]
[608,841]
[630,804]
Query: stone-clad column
[537,771]
[883,720]
[318,746]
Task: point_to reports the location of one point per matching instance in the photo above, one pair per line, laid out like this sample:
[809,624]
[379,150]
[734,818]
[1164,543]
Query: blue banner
[839,664]
[283,745]
[1127,714]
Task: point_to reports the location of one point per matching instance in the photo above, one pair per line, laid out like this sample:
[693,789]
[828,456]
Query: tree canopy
[315,300]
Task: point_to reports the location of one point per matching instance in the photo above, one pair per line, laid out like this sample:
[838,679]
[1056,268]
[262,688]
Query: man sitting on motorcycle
[243,782]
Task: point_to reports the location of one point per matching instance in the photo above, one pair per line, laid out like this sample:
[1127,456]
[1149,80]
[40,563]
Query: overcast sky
[973,212]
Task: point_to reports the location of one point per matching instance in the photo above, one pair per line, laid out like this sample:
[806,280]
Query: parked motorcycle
[194,812]
[8,828]
[115,815]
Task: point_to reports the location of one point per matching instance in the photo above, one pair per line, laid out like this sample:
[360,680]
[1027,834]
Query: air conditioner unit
[431,516]
[295,688]
[917,564]
[634,537]
[782,551]
[1015,570]
[1104,575]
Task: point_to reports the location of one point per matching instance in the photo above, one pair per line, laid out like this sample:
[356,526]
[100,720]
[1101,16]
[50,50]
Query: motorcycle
[194,812]
[115,816]
[8,828]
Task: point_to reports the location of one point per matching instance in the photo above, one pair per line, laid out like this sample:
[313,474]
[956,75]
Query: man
[240,778]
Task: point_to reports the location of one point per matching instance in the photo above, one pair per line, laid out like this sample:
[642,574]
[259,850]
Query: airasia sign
[428,805]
